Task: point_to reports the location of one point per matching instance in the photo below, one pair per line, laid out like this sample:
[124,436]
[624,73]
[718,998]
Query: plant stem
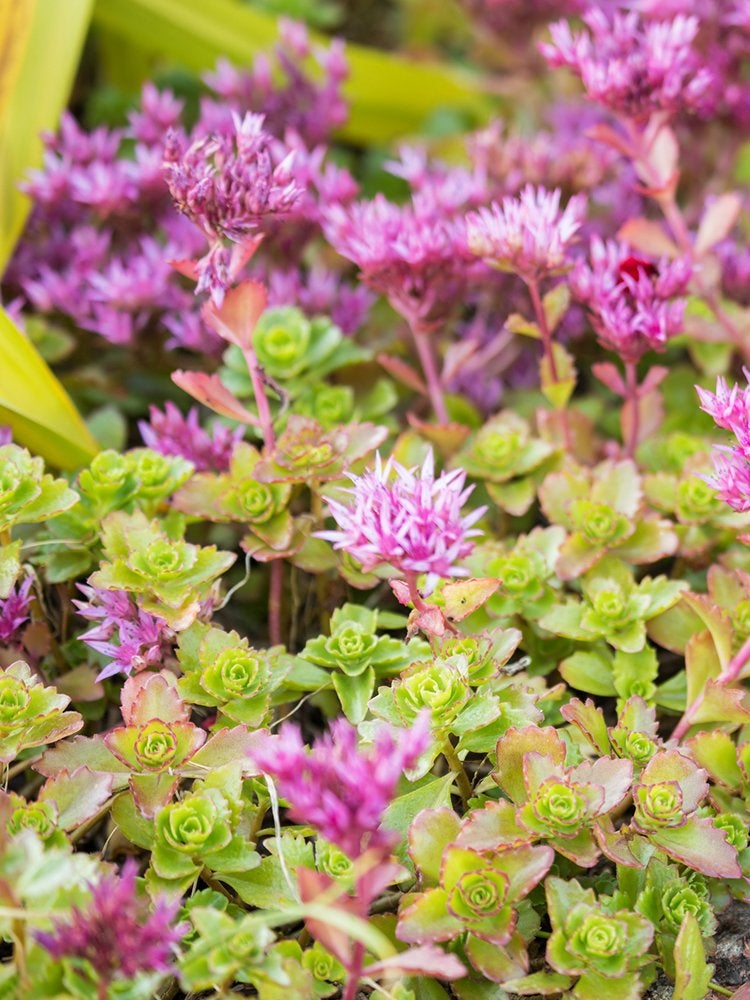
[354,973]
[631,431]
[261,401]
[415,596]
[426,355]
[729,674]
[549,352]
[275,592]
[462,778]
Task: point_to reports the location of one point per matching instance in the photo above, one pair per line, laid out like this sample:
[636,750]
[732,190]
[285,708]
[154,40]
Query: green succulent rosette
[356,657]
[31,714]
[169,576]
[504,454]
[614,607]
[529,585]
[229,948]
[605,946]
[222,670]
[27,494]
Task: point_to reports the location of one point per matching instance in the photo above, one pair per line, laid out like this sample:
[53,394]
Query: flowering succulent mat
[383,631]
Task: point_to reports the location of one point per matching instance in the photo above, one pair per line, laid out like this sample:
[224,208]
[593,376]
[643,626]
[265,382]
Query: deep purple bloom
[6,435]
[409,520]
[171,433]
[133,639]
[631,301]
[529,235]
[116,933]
[632,66]
[337,787]
[14,610]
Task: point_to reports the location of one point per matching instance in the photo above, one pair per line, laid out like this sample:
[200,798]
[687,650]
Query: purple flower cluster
[319,291]
[338,788]
[631,300]
[730,410]
[133,639]
[529,235]
[231,185]
[415,254]
[633,66]
[104,228]
[14,611]
[171,433]
[116,934]
[411,521]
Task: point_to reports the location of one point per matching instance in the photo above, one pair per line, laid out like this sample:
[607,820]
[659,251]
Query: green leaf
[354,693]
[40,44]
[10,566]
[693,974]
[429,836]
[390,95]
[36,406]
[559,389]
[400,814]
[590,671]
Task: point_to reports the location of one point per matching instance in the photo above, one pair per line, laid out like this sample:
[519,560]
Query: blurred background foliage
[96,54]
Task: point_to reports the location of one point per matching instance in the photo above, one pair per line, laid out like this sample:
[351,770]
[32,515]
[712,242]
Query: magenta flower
[411,521]
[631,300]
[338,788]
[14,610]
[414,254]
[133,639]
[116,934]
[231,185]
[171,433]
[730,410]
[631,66]
[528,235]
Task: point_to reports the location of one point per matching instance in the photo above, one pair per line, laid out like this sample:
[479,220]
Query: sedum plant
[468,717]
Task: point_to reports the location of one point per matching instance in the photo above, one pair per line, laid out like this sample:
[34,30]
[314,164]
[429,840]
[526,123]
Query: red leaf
[237,316]
[402,372]
[717,221]
[606,372]
[426,960]
[211,392]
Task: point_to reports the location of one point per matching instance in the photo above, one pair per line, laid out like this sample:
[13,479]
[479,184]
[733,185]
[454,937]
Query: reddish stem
[632,429]
[426,355]
[261,401]
[549,352]
[414,595]
[729,674]
[354,972]
[275,592]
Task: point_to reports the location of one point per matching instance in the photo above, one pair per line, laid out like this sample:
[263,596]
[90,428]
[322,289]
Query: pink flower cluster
[116,934]
[337,787]
[633,66]
[529,235]
[133,639]
[171,433]
[730,409]
[230,185]
[411,520]
[631,300]
[414,254]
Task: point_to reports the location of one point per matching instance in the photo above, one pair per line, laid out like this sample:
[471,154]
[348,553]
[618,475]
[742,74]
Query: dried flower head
[409,520]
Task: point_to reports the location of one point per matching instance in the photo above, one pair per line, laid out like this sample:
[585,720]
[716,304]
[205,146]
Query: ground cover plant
[384,629]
